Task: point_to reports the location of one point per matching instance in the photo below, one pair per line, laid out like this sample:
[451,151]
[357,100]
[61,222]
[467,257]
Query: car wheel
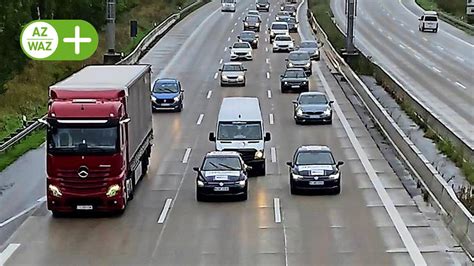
[293,189]
[180,108]
[222,84]
[297,122]
[422,28]
[244,196]
[262,170]
[200,197]
[282,90]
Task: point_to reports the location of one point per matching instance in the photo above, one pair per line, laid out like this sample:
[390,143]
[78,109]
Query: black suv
[250,37]
[294,79]
[263,5]
[314,168]
[252,22]
[222,173]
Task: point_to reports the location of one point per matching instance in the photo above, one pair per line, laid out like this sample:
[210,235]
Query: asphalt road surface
[372,222]
[435,67]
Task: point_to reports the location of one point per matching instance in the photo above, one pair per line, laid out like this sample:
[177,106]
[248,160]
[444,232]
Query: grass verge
[33,141]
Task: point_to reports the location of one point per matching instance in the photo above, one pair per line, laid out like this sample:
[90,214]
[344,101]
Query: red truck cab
[98,138]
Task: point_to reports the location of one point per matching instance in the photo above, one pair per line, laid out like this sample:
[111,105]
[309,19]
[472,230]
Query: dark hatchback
[222,173]
[252,23]
[313,168]
[312,107]
[263,5]
[294,79]
[250,37]
[167,94]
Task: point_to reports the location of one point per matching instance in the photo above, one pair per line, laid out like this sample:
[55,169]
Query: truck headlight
[258,155]
[200,183]
[112,191]
[299,112]
[55,191]
[241,183]
[327,112]
[176,98]
[296,177]
[334,176]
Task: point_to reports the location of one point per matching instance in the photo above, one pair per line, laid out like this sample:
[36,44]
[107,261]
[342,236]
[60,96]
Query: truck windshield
[83,140]
[239,131]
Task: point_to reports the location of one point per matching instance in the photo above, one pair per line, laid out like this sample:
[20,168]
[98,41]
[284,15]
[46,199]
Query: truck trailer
[99,138]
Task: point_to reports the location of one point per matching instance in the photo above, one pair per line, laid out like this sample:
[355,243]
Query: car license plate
[314,116]
[316,183]
[221,189]
[295,86]
[165,104]
[84,207]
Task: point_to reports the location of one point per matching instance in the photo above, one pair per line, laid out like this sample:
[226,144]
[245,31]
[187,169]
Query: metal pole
[350,27]
[110,30]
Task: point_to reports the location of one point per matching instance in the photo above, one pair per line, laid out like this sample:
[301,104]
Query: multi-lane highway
[435,67]
[372,222]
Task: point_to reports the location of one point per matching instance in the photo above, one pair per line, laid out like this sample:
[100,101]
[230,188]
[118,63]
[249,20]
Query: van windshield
[239,131]
[430,18]
[279,26]
[228,1]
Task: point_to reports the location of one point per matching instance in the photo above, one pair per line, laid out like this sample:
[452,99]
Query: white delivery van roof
[430,13]
[102,77]
[240,109]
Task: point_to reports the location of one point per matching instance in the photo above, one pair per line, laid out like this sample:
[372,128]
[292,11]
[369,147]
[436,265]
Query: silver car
[312,48]
[233,73]
[312,107]
[300,59]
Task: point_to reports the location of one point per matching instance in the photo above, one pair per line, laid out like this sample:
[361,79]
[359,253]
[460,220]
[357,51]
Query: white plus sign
[77,40]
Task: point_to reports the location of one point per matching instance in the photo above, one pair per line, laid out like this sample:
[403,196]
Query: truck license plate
[221,189]
[84,207]
[316,183]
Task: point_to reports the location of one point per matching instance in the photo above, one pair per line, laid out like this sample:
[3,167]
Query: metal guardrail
[452,20]
[458,219]
[130,59]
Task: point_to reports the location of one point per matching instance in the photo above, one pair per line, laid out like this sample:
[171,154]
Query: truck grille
[76,185]
[102,173]
[247,155]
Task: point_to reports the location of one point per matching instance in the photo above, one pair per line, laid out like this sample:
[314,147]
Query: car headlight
[241,183]
[307,65]
[224,77]
[267,5]
[257,24]
[112,191]
[254,41]
[304,82]
[200,183]
[246,24]
[258,155]
[176,98]
[290,64]
[296,177]
[299,112]
[334,176]
[153,98]
[327,111]
[240,77]
[272,33]
[55,191]
[286,83]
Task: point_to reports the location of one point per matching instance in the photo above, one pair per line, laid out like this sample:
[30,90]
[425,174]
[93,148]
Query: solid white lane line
[269,94]
[267,60]
[23,212]
[7,252]
[165,210]
[270,117]
[199,121]
[268,75]
[266,48]
[397,220]
[460,85]
[215,75]
[273,154]
[277,210]
[435,69]
[186,155]
[209,93]
[220,61]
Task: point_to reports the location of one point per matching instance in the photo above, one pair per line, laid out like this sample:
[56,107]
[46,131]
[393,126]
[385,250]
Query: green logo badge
[54,40]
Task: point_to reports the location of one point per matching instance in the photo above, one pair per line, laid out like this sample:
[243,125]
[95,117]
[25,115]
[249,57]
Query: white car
[283,43]
[253,13]
[241,51]
[278,28]
[228,5]
[429,21]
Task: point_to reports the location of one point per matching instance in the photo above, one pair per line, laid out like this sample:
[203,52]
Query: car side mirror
[196,169]
[244,69]
[331,102]
[281,76]
[295,102]
[230,47]
[220,69]
[268,137]
[125,121]
[339,163]
[290,164]
[212,136]
[286,59]
[248,167]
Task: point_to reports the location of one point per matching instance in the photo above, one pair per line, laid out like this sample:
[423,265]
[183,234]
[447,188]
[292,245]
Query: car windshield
[279,26]
[228,1]
[231,68]
[241,45]
[253,12]
[313,99]
[297,73]
[309,45]
[288,8]
[298,56]
[251,18]
[83,140]
[239,131]
[285,19]
[430,18]
[247,35]
[165,87]
[283,38]
[262,1]
[220,163]
[314,158]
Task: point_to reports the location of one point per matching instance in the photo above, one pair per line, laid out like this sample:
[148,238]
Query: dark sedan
[250,37]
[294,79]
[313,168]
[299,59]
[252,23]
[312,107]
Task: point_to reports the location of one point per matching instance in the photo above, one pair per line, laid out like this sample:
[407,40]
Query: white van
[429,21]
[228,5]
[240,128]
[278,28]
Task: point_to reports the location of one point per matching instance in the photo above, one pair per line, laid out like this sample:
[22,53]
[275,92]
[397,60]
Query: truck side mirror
[125,121]
[44,122]
[212,136]
[268,137]
[248,167]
